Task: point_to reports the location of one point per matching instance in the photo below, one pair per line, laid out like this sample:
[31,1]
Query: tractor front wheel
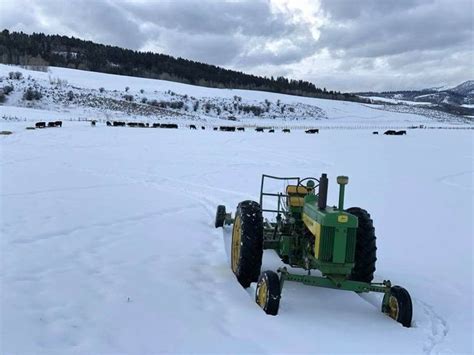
[397,305]
[365,250]
[267,294]
[220,216]
[247,243]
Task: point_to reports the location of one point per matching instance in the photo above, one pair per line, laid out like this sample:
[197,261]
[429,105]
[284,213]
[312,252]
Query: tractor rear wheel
[220,216]
[268,292]
[397,305]
[365,251]
[247,242]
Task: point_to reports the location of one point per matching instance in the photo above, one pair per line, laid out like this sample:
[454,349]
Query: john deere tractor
[308,234]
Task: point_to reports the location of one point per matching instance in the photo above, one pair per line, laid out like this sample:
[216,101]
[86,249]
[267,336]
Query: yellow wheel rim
[393,308]
[262,294]
[235,251]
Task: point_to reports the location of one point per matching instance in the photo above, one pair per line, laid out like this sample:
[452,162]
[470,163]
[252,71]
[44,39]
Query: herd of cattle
[138,124]
[175,126]
[49,124]
[391,132]
[192,127]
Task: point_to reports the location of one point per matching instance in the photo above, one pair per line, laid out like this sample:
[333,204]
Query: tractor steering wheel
[300,183]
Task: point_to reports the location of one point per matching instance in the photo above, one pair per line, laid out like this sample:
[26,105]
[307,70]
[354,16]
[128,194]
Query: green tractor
[308,234]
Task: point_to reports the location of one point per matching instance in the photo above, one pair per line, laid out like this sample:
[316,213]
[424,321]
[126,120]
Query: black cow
[375,132]
[40,124]
[58,123]
[400,133]
[312,131]
[286,130]
[131,124]
[202,127]
[271,131]
[51,124]
[141,125]
[227,128]
[241,129]
[390,132]
[259,129]
[168,125]
[108,123]
[93,122]
[192,126]
[155,125]
[118,124]
[215,128]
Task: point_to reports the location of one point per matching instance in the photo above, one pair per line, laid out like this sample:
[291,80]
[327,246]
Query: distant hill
[458,100]
[39,49]
[462,94]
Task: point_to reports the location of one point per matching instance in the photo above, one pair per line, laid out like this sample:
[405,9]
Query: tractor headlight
[342,180]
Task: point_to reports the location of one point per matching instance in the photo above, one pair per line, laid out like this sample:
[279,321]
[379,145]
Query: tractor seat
[296,195]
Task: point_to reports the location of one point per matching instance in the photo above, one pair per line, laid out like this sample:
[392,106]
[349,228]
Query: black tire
[247,243]
[268,292]
[397,305]
[220,216]
[366,249]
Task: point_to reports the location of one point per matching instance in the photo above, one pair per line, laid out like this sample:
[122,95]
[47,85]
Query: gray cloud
[240,31]
[362,44]
[386,31]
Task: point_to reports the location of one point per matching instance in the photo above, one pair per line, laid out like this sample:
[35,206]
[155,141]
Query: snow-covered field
[75,94]
[108,243]
[398,101]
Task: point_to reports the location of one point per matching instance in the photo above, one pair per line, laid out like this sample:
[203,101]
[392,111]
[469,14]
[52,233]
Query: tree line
[39,49]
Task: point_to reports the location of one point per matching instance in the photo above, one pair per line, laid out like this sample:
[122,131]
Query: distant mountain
[462,94]
[457,100]
[39,49]
[466,88]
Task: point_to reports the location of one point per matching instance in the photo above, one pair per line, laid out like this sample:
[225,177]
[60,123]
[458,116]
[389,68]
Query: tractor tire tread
[366,249]
[251,251]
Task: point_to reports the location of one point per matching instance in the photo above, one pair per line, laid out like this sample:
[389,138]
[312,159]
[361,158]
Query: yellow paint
[262,294]
[236,242]
[315,228]
[393,307]
[294,189]
[296,201]
[342,218]
[296,195]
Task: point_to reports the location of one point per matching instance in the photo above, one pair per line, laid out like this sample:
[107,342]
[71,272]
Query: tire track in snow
[92,187]
[61,233]
[447,180]
[438,327]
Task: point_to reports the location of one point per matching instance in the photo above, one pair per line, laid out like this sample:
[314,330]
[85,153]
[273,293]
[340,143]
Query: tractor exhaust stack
[323,192]
[342,181]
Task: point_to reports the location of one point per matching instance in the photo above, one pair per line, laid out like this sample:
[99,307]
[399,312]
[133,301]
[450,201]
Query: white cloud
[337,44]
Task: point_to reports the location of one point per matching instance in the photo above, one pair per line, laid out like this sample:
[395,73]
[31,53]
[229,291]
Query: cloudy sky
[349,45]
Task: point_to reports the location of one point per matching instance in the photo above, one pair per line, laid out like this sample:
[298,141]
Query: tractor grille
[327,243]
[351,243]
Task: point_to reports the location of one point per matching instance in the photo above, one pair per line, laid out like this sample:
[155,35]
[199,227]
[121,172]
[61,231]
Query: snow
[398,101]
[108,243]
[303,112]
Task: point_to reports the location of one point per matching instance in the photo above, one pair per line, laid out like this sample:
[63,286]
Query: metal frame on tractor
[274,238]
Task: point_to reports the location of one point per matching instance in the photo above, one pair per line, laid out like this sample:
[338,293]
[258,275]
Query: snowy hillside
[75,94]
[460,95]
[108,243]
